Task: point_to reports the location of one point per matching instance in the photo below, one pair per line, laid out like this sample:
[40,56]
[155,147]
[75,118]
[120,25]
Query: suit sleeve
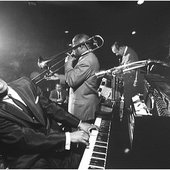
[28,140]
[57,113]
[54,111]
[77,75]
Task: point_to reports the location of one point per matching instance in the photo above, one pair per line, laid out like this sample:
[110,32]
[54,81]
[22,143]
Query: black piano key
[98,155]
[99,149]
[103,134]
[102,137]
[97,162]
[104,130]
[101,144]
[103,125]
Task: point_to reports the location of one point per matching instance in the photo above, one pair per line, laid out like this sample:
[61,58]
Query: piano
[158,94]
[95,154]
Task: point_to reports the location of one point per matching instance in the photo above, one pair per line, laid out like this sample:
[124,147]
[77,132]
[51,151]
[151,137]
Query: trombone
[95,42]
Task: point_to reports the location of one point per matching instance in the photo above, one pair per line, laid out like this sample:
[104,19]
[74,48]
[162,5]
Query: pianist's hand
[80,137]
[87,127]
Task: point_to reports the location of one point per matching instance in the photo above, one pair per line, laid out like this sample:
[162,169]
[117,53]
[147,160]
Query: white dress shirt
[15,95]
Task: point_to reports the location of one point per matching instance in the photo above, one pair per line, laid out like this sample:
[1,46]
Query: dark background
[29,29]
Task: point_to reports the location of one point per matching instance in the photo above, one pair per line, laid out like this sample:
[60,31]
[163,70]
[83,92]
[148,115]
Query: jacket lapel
[29,99]
[16,112]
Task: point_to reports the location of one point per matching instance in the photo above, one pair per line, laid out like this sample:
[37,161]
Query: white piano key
[89,150]
[90,160]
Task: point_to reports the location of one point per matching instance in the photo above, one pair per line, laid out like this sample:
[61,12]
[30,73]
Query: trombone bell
[97,41]
[42,63]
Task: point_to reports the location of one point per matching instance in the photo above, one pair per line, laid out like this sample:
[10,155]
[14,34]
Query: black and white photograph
[84,84]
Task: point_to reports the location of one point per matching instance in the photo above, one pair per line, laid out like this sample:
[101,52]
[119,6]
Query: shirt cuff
[68,141]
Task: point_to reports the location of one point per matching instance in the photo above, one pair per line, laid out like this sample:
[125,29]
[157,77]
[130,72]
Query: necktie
[21,105]
[59,95]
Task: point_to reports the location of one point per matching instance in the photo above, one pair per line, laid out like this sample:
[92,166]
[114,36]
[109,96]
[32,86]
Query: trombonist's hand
[69,58]
[55,76]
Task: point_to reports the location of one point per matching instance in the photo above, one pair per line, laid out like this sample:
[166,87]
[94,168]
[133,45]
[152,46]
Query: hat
[3,86]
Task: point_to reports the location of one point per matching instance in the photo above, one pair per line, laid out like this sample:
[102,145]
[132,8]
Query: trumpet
[95,42]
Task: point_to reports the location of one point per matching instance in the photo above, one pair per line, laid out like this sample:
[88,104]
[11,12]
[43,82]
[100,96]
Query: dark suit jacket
[54,95]
[25,138]
[129,77]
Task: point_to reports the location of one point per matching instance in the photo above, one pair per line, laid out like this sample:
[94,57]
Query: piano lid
[159,68]
[161,83]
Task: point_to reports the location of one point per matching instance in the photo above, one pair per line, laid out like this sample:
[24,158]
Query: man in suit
[59,96]
[83,95]
[80,68]
[130,87]
[29,133]
[130,78]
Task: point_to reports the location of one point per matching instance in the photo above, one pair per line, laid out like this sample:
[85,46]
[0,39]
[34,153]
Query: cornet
[95,41]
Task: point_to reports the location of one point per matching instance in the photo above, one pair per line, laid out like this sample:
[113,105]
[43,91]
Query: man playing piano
[29,134]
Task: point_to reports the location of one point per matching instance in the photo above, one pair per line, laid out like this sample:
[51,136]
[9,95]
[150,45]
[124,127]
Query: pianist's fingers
[79,136]
[87,127]
[92,127]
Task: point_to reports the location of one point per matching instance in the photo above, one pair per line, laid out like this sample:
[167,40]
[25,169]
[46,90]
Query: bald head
[79,38]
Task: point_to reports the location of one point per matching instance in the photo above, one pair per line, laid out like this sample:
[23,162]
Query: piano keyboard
[95,154]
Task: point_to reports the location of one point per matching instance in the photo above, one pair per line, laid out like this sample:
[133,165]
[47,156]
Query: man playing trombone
[81,78]
[83,96]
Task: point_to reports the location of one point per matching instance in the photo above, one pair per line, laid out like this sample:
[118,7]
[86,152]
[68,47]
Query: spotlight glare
[66,32]
[133,32]
[139,2]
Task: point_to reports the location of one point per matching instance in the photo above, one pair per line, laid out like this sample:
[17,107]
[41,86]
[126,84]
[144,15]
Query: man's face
[116,51]
[80,49]
[77,51]
[58,87]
